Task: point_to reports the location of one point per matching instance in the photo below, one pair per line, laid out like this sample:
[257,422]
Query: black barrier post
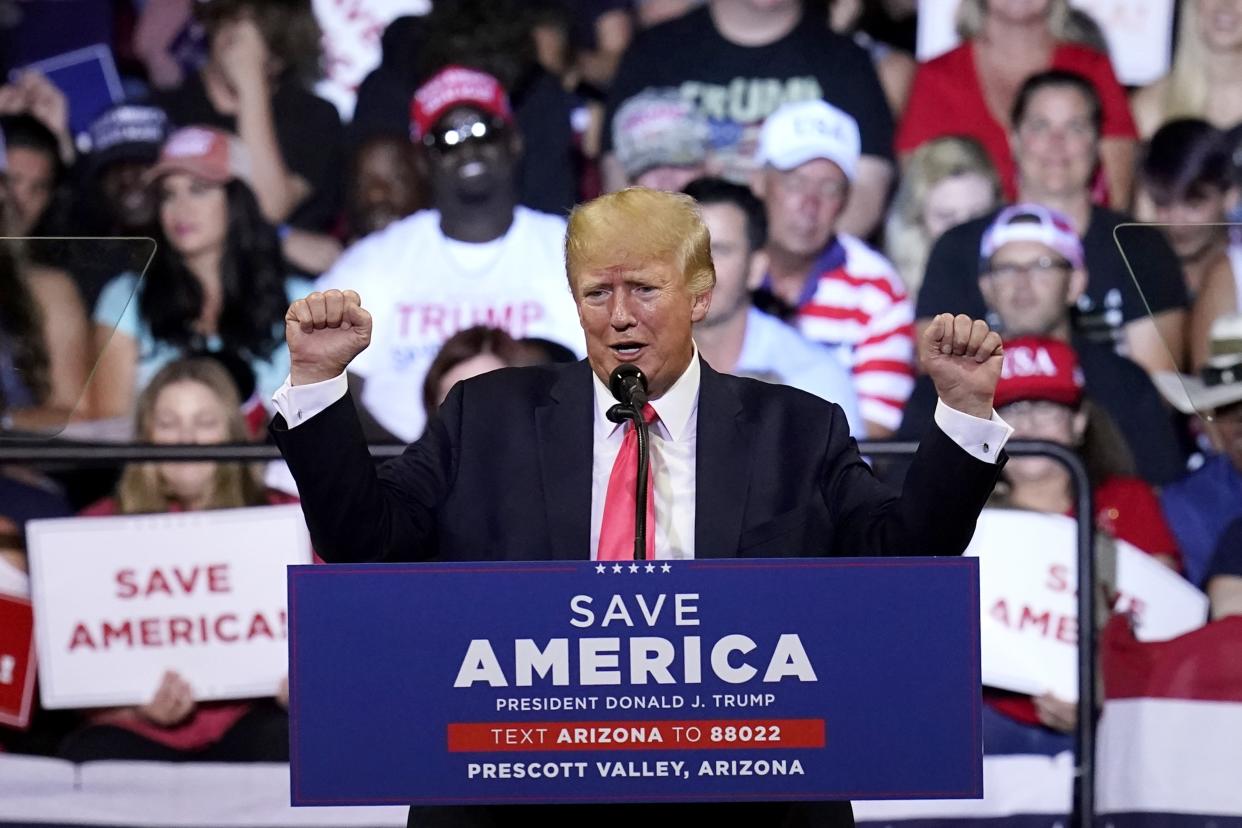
[1083,815]
[82,454]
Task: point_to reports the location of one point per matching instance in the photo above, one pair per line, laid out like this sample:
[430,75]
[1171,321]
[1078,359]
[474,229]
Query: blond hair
[235,484]
[1186,88]
[971,13]
[637,226]
[905,235]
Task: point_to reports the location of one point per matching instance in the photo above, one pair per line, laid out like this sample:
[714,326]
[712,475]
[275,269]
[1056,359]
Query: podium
[652,681]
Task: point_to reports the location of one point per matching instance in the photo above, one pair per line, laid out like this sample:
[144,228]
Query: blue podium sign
[711,680]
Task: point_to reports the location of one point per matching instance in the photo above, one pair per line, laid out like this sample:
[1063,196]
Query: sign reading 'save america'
[638,681]
[1029,602]
[120,600]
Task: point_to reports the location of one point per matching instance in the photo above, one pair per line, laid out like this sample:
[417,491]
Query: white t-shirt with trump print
[421,288]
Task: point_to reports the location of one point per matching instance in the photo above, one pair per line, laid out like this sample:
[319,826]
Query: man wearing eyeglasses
[475,258]
[1032,272]
[834,288]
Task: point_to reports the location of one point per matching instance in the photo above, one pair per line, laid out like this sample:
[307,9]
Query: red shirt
[1127,509]
[946,98]
[210,720]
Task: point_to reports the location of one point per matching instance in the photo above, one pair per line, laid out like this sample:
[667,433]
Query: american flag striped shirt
[858,306]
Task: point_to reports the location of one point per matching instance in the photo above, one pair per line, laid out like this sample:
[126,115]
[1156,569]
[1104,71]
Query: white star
[650,567]
[666,568]
[600,569]
[616,567]
[633,567]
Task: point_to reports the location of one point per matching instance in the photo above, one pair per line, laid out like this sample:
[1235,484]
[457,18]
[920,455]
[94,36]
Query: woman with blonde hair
[971,90]
[1207,58]
[946,182]
[189,401]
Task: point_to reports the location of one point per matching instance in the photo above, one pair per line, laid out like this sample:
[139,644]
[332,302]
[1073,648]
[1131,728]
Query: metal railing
[1083,815]
[51,455]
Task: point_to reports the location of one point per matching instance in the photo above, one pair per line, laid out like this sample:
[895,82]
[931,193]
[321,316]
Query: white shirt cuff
[981,439]
[298,403]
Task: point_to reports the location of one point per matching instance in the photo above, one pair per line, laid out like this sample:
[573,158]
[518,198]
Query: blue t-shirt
[118,306]
[777,352]
[1198,508]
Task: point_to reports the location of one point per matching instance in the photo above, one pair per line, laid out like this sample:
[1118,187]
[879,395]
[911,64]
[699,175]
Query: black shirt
[737,87]
[951,283]
[308,130]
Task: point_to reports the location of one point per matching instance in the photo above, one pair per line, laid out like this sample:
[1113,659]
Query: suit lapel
[722,468]
[563,428]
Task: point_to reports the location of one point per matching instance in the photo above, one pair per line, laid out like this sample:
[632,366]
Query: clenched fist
[963,356]
[325,331]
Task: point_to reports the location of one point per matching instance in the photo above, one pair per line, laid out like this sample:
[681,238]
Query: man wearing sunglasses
[475,258]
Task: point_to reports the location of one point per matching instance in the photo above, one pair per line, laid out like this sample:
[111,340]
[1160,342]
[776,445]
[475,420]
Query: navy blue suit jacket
[504,473]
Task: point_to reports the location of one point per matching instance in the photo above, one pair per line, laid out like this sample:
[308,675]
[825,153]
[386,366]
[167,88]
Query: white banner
[1028,599]
[352,30]
[119,600]
[1139,34]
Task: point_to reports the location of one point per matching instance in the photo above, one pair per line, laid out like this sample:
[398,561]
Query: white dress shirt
[673,440]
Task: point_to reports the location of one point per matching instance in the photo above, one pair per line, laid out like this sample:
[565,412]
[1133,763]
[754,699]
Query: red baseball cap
[456,86]
[204,152]
[1039,368]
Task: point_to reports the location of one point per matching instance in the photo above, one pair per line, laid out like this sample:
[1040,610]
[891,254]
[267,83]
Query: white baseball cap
[1034,223]
[802,131]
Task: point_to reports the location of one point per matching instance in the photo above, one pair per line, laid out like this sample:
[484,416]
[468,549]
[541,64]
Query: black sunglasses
[485,131]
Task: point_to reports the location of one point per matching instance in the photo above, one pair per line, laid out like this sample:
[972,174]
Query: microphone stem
[640,500]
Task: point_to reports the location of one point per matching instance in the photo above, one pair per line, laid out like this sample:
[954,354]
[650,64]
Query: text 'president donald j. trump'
[519,464]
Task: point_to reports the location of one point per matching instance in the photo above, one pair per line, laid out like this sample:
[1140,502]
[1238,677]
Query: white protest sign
[937,28]
[1138,34]
[352,30]
[119,600]
[1029,607]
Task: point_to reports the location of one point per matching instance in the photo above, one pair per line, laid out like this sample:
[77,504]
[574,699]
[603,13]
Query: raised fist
[325,331]
[963,357]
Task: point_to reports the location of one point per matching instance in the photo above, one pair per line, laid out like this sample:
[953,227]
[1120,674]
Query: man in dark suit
[519,464]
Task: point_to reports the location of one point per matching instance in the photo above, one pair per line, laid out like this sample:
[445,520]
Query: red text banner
[17,662]
[636,735]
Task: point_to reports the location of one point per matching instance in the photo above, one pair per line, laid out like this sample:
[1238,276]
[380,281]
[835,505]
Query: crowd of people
[851,193]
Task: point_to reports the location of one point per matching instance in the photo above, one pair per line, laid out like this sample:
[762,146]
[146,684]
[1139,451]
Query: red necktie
[616,533]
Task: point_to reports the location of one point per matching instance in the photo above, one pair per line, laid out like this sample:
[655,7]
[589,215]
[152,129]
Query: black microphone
[628,384]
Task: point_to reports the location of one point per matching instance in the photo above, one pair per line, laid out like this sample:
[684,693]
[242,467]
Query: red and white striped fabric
[1170,740]
[863,306]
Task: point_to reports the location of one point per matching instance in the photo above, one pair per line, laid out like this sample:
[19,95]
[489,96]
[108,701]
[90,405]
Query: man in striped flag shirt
[832,286]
